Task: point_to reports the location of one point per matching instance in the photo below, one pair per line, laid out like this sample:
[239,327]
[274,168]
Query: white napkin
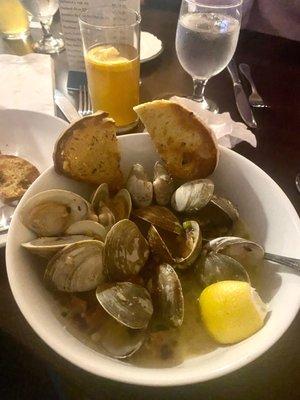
[228,132]
[27,82]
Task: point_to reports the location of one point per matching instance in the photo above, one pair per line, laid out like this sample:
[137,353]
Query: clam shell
[243,250]
[111,209]
[76,268]
[51,212]
[163,185]
[126,251]
[87,228]
[167,296]
[126,302]
[123,343]
[192,196]
[48,246]
[226,206]
[187,247]
[139,186]
[101,195]
[160,217]
[218,267]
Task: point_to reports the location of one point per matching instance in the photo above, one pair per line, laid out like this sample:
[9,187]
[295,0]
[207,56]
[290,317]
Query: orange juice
[13,19]
[113,77]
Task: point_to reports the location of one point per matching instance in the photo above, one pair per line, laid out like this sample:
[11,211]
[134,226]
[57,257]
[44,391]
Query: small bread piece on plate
[16,175]
[186,145]
[88,151]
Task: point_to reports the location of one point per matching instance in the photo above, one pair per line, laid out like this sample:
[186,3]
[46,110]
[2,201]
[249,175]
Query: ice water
[205,42]
[41,8]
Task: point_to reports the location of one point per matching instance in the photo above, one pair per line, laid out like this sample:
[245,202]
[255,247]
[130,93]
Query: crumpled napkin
[228,132]
[27,82]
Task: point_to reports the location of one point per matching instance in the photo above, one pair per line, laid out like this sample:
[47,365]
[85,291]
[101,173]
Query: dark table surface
[275,66]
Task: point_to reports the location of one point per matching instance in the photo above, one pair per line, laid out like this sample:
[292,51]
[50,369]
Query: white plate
[151,47]
[30,135]
[269,214]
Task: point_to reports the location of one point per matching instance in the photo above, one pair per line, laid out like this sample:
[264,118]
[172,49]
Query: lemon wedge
[106,54]
[231,311]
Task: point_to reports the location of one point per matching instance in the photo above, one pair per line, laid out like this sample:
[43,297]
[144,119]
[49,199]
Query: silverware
[85,106]
[240,96]
[254,99]
[6,213]
[293,263]
[297,182]
[65,106]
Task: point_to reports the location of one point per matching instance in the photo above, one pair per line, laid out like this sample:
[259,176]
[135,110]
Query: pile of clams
[130,249]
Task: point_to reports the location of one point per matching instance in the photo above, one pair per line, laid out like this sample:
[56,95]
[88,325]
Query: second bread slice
[185,144]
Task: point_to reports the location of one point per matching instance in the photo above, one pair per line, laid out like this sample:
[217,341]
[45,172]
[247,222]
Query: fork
[255,99]
[84,106]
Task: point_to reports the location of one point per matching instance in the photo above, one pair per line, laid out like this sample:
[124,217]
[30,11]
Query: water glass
[206,39]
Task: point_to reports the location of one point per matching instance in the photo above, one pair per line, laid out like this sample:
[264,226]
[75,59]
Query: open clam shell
[167,296]
[126,251]
[111,209]
[163,185]
[139,186]
[160,217]
[51,212]
[181,251]
[218,267]
[192,196]
[225,206]
[87,228]
[76,268]
[48,246]
[123,343]
[243,250]
[127,303]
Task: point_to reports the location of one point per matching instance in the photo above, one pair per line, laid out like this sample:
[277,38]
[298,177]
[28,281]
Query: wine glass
[206,39]
[44,11]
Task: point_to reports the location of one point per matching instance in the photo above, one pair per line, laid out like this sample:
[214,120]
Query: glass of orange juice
[111,44]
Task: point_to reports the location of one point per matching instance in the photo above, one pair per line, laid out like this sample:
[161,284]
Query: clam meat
[51,212]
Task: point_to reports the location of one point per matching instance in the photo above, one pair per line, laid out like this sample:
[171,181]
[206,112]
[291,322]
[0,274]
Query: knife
[240,96]
[65,106]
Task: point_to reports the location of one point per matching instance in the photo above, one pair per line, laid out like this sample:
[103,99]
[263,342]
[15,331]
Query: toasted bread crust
[88,151]
[183,141]
[16,175]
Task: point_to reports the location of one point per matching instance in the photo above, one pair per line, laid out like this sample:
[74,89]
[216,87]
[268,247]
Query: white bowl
[270,216]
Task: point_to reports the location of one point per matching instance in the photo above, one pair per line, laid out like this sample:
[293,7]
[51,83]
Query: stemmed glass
[44,11]
[206,39]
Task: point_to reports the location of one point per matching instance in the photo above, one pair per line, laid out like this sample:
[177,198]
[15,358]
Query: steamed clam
[160,217]
[243,250]
[163,185]
[217,217]
[76,268]
[48,246]
[217,267]
[111,209]
[123,343]
[126,302]
[88,228]
[180,251]
[167,295]
[139,186]
[51,212]
[126,251]
[192,196]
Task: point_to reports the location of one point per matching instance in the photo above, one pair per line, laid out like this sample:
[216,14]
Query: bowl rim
[153,376]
